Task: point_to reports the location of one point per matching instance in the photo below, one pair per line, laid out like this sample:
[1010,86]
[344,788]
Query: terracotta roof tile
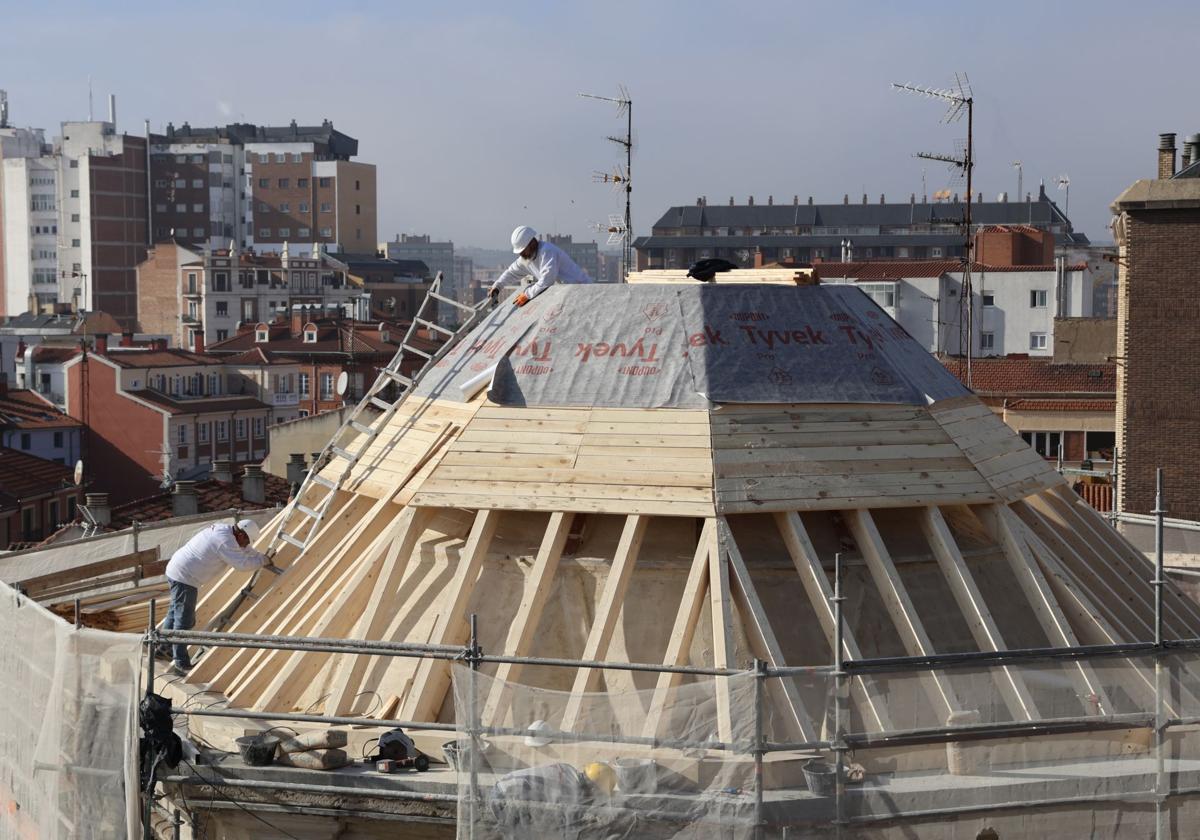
[1009,376]
[900,269]
[26,410]
[211,496]
[24,476]
[1106,406]
[129,357]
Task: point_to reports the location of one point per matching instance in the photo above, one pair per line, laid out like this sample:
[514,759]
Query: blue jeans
[181,615]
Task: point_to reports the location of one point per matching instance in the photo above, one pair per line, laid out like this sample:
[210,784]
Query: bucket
[636,775]
[457,752]
[821,777]
[257,750]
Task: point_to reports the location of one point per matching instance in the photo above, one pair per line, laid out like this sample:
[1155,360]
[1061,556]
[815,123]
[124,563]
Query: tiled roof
[51,355]
[211,496]
[1106,406]
[1009,376]
[257,356]
[900,269]
[128,357]
[199,405]
[26,410]
[24,476]
[337,337]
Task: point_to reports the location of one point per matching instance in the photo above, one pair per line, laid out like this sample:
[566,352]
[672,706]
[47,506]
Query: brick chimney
[254,484]
[758,258]
[101,347]
[127,338]
[97,505]
[1166,156]
[864,198]
[158,344]
[750,202]
[222,471]
[770,200]
[197,341]
[184,501]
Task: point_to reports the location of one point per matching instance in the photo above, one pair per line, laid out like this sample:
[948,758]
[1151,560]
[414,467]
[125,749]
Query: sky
[471,111]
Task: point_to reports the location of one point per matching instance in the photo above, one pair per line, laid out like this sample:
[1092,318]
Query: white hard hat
[521,238]
[536,734]
[251,528]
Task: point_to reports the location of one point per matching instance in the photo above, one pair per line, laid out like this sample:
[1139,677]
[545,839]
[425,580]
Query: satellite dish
[78,473]
[343,381]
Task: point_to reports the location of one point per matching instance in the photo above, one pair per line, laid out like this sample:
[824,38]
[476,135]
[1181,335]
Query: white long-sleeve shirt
[206,555]
[549,265]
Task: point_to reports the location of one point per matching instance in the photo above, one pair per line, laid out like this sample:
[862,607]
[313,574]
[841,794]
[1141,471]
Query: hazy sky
[470,110]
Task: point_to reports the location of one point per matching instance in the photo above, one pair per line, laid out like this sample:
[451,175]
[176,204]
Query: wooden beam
[979,618]
[433,675]
[521,632]
[682,631]
[44,586]
[612,600]
[721,604]
[1004,527]
[872,702]
[762,636]
[900,607]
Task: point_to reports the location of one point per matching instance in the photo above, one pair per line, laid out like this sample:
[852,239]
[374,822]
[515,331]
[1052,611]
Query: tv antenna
[621,177]
[1064,183]
[1017,165]
[615,229]
[960,100]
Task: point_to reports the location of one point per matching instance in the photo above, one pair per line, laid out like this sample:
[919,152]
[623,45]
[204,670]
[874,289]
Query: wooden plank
[726,468]
[871,701]
[372,621]
[36,587]
[548,503]
[762,636]
[520,474]
[612,601]
[956,495]
[521,632]
[900,607]
[1003,525]
[785,438]
[721,605]
[586,491]
[683,630]
[433,675]
[979,618]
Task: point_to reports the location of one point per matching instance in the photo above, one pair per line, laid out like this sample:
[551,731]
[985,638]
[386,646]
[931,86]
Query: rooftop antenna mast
[1064,183]
[621,229]
[961,100]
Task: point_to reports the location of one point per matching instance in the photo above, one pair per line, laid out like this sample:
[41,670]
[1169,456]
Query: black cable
[216,792]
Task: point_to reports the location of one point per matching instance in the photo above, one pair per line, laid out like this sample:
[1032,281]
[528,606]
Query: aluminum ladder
[301,522]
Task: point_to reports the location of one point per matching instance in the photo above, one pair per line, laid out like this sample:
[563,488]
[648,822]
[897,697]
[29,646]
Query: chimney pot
[296,468]
[770,200]
[845,198]
[864,198]
[796,199]
[730,201]
[810,201]
[101,347]
[222,471]
[882,200]
[184,501]
[97,505]
[254,484]
[127,338]
[750,202]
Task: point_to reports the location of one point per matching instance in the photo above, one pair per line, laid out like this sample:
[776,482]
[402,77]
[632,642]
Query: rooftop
[338,144]
[1009,376]
[901,269]
[145,357]
[334,336]
[22,409]
[74,323]
[211,495]
[24,476]
[199,405]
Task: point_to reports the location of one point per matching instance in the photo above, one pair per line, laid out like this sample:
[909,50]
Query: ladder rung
[382,405]
[288,538]
[398,376]
[344,453]
[408,349]
[307,511]
[323,481]
[434,326]
[362,427]
[468,307]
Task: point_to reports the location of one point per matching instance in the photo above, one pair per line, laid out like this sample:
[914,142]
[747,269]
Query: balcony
[285,399]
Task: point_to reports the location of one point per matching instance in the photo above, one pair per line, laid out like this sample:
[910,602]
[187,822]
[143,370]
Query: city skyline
[473,119]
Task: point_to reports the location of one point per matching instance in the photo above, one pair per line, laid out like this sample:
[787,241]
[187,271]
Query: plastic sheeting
[603,778]
[68,728]
[663,346]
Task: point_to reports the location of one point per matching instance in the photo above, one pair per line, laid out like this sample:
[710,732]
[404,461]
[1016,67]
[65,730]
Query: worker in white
[545,262]
[195,564]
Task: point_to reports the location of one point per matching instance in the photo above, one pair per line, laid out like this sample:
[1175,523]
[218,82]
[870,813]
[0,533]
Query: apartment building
[74,220]
[438,257]
[185,292]
[585,254]
[261,187]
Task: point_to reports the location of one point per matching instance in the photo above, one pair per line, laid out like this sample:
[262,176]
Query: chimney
[197,341]
[864,198]
[296,468]
[730,201]
[1166,156]
[158,344]
[882,200]
[770,200]
[1192,148]
[112,110]
[101,347]
[750,201]
[810,201]
[127,338]
[912,198]
[845,198]
[254,484]
[758,258]
[699,202]
[796,200]
[222,471]
[97,505]
[184,501]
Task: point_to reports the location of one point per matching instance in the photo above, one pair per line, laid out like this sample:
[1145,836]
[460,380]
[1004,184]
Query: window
[326,232]
[326,207]
[223,308]
[264,183]
[52,512]
[883,294]
[284,183]
[297,157]
[303,413]
[262,335]
[263,207]
[214,384]
[902,252]
[180,183]
[222,335]
[989,298]
[310,334]
[326,386]
[160,183]
[198,232]
[197,208]
[935,251]
[202,433]
[264,233]
[322,182]
[284,233]
[1037,298]
[25,440]
[1037,341]
[181,158]
[239,426]
[1043,443]
[74,243]
[74,217]
[304,385]
[197,183]
[197,158]
[183,434]
[302,183]
[258,427]
[358,212]
[303,206]
[74,193]
[180,208]
[356,185]
[987,341]
[304,233]
[58,440]
[160,208]
[284,207]
[222,430]
[264,158]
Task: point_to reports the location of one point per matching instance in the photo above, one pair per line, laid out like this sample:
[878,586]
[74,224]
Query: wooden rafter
[870,699]
[721,604]
[900,607]
[612,601]
[521,632]
[433,675]
[979,618]
[762,637]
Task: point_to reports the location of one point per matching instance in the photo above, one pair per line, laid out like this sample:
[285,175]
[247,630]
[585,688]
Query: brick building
[153,413]
[261,186]
[395,288]
[323,348]
[1158,382]
[36,497]
[184,292]
[31,424]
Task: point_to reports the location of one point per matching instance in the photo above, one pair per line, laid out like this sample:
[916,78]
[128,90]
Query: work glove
[521,299]
[494,293]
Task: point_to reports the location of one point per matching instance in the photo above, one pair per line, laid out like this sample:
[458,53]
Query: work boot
[179,669]
[163,652]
